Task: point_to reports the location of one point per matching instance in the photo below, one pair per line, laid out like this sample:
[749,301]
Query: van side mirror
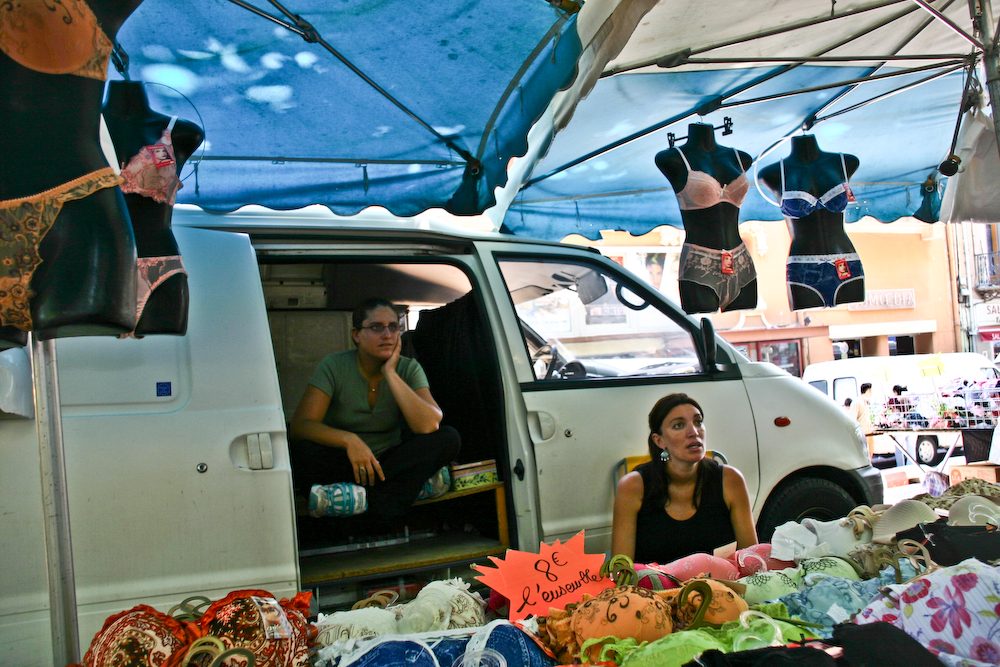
[591,286]
[708,344]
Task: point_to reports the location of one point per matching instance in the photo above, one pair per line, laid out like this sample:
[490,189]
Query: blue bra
[798,204]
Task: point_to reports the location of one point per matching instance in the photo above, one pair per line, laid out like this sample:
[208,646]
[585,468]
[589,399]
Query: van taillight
[782,421]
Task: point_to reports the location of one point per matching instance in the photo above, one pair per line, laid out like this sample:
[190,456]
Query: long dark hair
[658,489]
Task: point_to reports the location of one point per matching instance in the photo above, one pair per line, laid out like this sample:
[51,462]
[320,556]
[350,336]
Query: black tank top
[659,538]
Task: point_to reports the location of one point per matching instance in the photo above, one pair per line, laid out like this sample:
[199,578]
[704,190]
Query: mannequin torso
[710,183]
[49,138]
[809,183]
[133,127]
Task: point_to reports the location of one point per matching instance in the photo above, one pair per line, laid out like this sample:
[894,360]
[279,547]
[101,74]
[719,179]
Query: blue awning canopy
[425,108]
[418,106]
[899,140]
[882,80]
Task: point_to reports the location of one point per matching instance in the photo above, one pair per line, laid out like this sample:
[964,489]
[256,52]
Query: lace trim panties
[725,272]
[24,223]
[152,272]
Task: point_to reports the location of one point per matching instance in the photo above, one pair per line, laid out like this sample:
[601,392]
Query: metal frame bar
[515,83]
[770,33]
[64,623]
[951,24]
[821,59]
[340,160]
[936,75]
[305,30]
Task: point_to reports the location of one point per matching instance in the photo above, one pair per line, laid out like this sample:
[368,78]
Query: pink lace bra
[702,190]
[152,172]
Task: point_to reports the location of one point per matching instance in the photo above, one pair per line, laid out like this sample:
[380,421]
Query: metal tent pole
[55,504]
[990,61]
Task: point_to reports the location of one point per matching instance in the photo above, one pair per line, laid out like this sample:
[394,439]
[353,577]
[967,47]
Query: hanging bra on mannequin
[152,172]
[702,190]
[62,39]
[798,203]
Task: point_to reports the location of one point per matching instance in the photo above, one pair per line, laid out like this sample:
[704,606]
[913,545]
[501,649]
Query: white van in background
[925,377]
[546,357]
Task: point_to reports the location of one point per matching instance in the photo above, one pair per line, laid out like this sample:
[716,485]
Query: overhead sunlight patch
[273,60]
[449,131]
[173,76]
[196,55]
[305,60]
[158,52]
[276,96]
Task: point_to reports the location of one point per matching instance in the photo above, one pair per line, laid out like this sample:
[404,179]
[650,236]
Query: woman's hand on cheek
[390,364]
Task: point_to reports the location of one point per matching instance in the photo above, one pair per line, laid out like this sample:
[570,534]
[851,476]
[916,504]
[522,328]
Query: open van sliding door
[592,357]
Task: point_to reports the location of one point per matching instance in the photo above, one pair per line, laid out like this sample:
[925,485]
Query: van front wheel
[927,450]
[806,497]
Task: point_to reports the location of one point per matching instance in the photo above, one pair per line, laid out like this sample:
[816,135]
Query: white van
[929,380]
[546,357]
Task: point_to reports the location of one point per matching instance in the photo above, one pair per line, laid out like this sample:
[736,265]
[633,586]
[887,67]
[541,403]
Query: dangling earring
[664,455]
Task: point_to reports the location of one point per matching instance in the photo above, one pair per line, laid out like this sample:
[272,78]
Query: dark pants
[406,467]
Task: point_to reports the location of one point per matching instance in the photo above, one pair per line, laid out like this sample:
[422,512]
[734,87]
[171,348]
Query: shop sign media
[885,299]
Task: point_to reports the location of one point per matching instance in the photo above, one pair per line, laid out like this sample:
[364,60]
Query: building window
[785,354]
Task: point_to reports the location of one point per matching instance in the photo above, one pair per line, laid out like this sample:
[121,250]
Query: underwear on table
[152,172]
[24,223]
[725,272]
[823,274]
[55,37]
[152,272]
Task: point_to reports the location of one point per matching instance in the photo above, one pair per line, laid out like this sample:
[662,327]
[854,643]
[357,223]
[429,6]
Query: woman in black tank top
[680,502]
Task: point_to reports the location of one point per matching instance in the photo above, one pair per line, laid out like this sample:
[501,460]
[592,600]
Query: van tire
[926,450]
[805,497]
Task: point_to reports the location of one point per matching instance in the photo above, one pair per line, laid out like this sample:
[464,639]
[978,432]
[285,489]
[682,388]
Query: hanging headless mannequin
[133,126]
[811,170]
[49,136]
[717,226]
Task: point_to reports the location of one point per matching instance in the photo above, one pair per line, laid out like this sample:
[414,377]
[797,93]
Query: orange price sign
[554,577]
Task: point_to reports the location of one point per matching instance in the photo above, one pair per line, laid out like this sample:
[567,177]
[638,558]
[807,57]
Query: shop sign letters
[554,577]
[885,299]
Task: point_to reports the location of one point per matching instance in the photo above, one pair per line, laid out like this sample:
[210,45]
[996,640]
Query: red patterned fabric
[139,637]
[237,621]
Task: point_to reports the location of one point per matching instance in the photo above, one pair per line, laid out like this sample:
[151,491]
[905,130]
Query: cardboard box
[985,470]
[469,475]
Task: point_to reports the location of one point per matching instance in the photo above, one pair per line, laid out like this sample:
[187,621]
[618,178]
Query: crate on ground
[470,475]
[985,470]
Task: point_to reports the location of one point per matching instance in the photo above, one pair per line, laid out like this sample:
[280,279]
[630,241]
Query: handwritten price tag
[554,577]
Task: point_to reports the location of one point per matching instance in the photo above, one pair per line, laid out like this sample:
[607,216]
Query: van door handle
[541,426]
[519,470]
[260,454]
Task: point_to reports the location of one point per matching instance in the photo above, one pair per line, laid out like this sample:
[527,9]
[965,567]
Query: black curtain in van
[453,345]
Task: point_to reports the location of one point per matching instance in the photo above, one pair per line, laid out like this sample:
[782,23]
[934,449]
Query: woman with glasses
[368,430]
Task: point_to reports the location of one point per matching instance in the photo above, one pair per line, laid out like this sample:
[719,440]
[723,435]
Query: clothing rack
[726,127]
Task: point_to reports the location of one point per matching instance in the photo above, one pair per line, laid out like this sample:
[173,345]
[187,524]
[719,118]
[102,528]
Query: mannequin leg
[852,292]
[85,285]
[801,297]
[166,311]
[747,299]
[697,298]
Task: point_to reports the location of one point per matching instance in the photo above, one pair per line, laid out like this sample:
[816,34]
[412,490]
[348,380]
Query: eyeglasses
[378,328]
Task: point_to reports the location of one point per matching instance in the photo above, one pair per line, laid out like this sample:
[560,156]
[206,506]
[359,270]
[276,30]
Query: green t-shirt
[338,377]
